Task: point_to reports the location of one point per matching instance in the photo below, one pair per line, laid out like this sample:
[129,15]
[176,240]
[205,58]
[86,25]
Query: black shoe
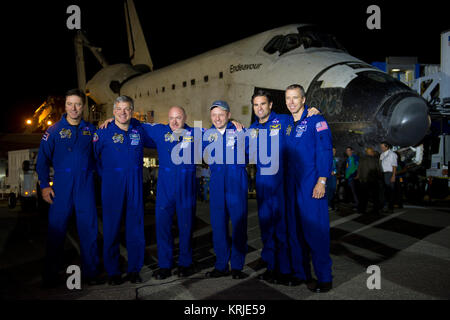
[162,274]
[238,274]
[184,272]
[320,287]
[283,279]
[293,281]
[134,277]
[94,281]
[268,275]
[217,273]
[115,280]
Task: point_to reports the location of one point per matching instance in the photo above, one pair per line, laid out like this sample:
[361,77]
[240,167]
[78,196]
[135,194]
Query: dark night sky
[38,53]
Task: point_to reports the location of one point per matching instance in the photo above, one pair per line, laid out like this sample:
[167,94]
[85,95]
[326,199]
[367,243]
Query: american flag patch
[45,136]
[322,125]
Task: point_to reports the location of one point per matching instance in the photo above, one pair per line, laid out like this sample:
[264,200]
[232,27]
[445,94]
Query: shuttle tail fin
[139,53]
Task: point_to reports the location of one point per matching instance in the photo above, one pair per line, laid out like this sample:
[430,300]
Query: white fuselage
[228,73]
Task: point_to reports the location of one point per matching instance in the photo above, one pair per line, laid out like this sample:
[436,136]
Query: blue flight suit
[228,189]
[176,190]
[270,193]
[120,160]
[309,156]
[69,150]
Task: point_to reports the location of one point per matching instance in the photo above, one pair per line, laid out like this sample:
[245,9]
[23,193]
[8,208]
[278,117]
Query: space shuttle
[362,104]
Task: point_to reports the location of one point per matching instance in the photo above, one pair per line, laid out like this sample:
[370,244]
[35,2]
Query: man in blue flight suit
[175,191]
[269,129]
[270,191]
[67,146]
[225,152]
[309,160]
[119,150]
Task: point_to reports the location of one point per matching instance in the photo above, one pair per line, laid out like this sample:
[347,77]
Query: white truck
[440,160]
[22,180]
[437,174]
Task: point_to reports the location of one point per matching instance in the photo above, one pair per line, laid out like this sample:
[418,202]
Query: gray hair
[124,99]
[297,86]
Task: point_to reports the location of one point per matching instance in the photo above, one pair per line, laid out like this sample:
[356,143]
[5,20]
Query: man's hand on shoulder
[105,124]
[312,111]
[239,126]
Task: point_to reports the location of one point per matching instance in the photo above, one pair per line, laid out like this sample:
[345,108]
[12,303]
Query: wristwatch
[322,181]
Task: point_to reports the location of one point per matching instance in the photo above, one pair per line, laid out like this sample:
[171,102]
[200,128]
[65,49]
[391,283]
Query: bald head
[370,151]
[177,117]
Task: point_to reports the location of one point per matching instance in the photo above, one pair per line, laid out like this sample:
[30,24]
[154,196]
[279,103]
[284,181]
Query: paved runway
[411,247]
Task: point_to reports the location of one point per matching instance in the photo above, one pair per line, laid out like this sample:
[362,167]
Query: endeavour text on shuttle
[241,67]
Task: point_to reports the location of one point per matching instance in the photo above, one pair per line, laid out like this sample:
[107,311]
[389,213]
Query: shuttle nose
[409,121]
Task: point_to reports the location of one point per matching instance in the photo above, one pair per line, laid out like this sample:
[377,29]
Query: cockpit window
[274,44]
[307,36]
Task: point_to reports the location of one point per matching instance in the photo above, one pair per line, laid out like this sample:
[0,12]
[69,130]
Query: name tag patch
[86,131]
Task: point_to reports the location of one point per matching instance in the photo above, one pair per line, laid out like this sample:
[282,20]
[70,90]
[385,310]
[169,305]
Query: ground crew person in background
[228,192]
[67,146]
[119,150]
[351,170]
[309,160]
[399,181]
[206,174]
[388,159]
[369,176]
